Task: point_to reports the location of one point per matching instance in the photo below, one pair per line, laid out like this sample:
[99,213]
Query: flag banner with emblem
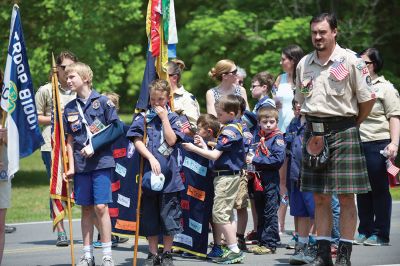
[18,99]
[338,71]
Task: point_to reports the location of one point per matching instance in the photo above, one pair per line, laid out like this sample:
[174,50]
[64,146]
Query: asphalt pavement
[34,244]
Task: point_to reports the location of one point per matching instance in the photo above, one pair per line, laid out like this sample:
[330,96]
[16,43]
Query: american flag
[392,171]
[185,126]
[339,71]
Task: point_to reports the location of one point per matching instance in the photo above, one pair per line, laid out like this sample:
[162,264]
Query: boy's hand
[155,166]
[68,175]
[199,141]
[161,112]
[87,151]
[188,146]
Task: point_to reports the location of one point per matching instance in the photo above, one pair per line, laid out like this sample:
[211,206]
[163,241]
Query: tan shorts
[225,190]
[5,194]
[242,198]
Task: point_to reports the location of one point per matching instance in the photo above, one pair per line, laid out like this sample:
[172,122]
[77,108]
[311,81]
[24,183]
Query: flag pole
[56,96]
[141,170]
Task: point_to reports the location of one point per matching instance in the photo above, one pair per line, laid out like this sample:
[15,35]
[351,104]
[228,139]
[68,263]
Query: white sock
[106,249]
[346,240]
[88,251]
[234,248]
[303,240]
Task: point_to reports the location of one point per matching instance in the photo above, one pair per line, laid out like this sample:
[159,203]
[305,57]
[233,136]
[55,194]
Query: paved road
[33,244]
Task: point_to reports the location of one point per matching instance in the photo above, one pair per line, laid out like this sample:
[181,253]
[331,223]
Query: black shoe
[166,259]
[152,260]
[9,229]
[324,257]
[343,254]
[242,244]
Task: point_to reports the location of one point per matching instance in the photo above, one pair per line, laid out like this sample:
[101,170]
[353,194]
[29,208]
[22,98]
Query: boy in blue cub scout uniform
[228,157]
[87,117]
[268,158]
[301,203]
[161,212]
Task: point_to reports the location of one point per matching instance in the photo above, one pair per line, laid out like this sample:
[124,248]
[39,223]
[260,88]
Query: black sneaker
[62,240]
[166,259]
[9,229]
[152,260]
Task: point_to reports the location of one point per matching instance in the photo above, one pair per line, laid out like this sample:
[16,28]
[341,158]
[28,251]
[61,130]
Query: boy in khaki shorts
[228,157]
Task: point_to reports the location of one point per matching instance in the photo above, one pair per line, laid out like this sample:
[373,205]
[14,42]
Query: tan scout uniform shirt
[387,105]
[322,94]
[44,103]
[186,104]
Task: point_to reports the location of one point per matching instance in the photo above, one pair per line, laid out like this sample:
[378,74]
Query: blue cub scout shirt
[296,154]
[99,112]
[230,142]
[169,164]
[269,164]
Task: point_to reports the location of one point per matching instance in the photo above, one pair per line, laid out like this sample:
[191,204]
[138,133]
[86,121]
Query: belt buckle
[318,127]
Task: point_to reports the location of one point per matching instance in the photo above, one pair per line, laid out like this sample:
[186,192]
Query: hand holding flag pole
[58,116]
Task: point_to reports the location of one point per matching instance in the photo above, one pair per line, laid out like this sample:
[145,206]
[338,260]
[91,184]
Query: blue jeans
[46,157]
[335,234]
[375,207]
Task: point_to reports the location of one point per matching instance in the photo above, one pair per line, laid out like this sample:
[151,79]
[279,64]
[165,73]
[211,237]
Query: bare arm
[208,154]
[70,154]
[364,109]
[142,149]
[169,133]
[44,120]
[210,101]
[394,127]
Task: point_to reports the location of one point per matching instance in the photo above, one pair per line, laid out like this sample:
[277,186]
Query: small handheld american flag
[392,171]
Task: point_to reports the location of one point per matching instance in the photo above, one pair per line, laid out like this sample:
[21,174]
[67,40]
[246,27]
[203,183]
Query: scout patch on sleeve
[368,80]
[72,118]
[75,125]
[224,140]
[280,142]
[229,133]
[96,104]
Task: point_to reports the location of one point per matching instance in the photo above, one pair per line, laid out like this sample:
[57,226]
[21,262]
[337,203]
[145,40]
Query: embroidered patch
[96,104]
[229,133]
[96,126]
[280,142]
[131,149]
[306,85]
[360,66]
[368,80]
[224,140]
[75,126]
[72,118]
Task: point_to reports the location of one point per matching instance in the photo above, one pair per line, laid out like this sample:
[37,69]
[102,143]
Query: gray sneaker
[298,257]
[107,261]
[86,261]
[359,239]
[310,253]
[62,240]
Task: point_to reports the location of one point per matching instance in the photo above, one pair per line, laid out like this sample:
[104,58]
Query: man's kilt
[346,171]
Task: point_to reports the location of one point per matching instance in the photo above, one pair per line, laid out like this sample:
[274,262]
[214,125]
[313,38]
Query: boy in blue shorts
[268,158]
[161,212]
[228,156]
[88,115]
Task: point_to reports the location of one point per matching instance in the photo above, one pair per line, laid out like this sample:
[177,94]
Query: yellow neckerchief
[238,126]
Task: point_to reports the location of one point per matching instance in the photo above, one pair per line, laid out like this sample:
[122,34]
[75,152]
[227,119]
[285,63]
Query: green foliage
[110,36]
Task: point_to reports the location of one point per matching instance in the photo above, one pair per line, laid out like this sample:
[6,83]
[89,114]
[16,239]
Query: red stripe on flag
[115,186]
[339,71]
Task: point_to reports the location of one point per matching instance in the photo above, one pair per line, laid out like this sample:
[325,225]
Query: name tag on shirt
[120,170]
[165,149]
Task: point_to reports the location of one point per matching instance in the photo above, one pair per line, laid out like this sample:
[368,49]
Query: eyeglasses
[368,62]
[233,72]
[253,86]
[62,67]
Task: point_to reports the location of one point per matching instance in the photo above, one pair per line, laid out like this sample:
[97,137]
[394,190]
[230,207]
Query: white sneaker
[86,261]
[107,261]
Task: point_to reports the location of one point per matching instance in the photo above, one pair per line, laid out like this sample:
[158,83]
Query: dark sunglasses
[233,72]
[368,62]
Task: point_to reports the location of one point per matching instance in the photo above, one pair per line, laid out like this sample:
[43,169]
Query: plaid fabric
[346,171]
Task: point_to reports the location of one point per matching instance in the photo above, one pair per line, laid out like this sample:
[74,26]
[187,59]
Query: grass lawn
[30,193]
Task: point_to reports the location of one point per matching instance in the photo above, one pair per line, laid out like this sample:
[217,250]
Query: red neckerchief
[263,137]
